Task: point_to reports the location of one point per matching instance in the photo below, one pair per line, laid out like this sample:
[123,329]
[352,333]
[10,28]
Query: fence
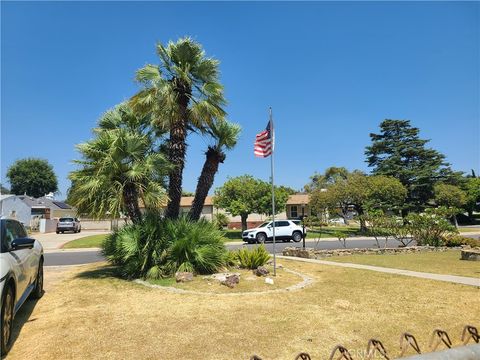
[408,343]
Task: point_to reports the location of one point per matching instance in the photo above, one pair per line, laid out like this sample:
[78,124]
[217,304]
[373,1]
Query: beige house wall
[294,211]
[63,213]
[207,211]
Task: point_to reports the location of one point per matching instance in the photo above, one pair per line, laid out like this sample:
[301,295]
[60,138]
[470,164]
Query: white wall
[48,225]
[14,208]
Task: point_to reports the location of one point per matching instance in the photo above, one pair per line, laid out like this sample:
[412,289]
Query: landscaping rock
[183,276]
[470,254]
[269,281]
[222,276]
[261,271]
[231,281]
[310,253]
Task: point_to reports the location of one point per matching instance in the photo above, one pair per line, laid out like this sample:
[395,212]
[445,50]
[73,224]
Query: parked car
[68,224]
[285,230]
[21,271]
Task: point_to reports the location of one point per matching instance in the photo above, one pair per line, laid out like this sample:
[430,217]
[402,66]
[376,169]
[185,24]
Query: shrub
[231,258]
[194,246]
[458,240]
[251,259]
[156,248]
[221,220]
[430,227]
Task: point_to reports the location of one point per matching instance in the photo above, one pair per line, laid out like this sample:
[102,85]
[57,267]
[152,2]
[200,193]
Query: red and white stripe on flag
[264,142]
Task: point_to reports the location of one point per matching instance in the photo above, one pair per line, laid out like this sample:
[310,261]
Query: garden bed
[285,280]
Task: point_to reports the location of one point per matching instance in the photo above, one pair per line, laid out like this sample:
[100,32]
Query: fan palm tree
[182,93]
[226,135]
[120,166]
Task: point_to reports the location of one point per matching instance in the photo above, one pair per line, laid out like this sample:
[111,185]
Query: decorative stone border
[310,253]
[306,281]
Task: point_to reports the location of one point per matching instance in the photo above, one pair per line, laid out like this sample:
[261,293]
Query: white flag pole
[273,191]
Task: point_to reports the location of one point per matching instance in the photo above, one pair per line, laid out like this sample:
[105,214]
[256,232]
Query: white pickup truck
[285,230]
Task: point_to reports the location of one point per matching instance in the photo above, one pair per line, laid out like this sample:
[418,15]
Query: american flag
[264,142]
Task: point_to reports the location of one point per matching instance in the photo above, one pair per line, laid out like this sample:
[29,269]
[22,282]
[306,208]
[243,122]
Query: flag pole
[273,192]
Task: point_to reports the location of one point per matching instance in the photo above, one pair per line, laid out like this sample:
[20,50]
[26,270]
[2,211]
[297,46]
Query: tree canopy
[182,93]
[32,176]
[120,165]
[398,151]
[359,192]
[245,195]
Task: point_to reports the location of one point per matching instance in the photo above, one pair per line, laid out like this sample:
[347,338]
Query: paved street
[86,256]
[72,257]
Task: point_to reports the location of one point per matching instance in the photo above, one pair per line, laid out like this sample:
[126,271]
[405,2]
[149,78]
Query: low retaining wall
[310,253]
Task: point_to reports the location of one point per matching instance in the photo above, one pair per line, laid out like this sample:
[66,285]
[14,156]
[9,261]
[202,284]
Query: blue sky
[331,72]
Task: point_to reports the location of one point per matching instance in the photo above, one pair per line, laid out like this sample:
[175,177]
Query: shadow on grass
[21,318]
[105,272]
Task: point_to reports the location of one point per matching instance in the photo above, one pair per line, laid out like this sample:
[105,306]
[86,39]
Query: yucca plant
[251,259]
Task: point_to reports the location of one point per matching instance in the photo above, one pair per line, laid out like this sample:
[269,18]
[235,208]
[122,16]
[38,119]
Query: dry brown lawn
[93,315]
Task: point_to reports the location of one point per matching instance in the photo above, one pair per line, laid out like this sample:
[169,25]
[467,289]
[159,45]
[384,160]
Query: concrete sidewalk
[423,275]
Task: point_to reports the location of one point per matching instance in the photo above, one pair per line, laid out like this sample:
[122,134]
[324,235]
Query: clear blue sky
[331,71]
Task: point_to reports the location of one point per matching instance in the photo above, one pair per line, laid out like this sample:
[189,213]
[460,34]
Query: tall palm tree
[121,166]
[182,93]
[226,135]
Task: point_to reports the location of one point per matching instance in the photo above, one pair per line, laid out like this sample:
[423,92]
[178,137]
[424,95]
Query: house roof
[298,199]
[44,202]
[5,196]
[188,200]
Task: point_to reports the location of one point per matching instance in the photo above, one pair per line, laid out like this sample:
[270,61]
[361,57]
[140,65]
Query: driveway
[53,241]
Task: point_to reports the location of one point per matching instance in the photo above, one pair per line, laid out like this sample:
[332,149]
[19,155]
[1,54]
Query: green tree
[450,196]
[182,93]
[32,176]
[238,196]
[119,166]
[360,192]
[331,176]
[472,193]
[264,202]
[398,151]
[245,195]
[226,136]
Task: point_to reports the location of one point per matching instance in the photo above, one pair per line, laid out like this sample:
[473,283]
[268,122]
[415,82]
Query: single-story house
[48,208]
[297,206]
[12,207]
[207,211]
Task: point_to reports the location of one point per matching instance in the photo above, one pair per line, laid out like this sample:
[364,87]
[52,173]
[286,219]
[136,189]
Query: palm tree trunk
[210,167]
[176,155]
[130,198]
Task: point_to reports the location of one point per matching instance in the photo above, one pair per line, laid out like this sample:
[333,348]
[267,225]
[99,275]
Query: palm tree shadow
[21,318]
[105,272]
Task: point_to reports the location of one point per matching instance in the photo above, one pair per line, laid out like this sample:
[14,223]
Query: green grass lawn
[468,229]
[92,241]
[447,262]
